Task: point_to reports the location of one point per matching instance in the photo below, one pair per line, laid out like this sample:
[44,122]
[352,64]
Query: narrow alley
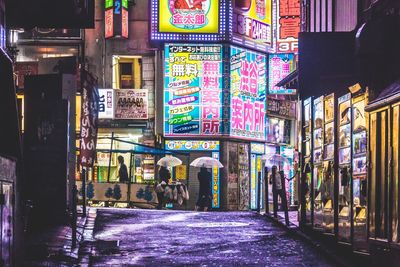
[166,238]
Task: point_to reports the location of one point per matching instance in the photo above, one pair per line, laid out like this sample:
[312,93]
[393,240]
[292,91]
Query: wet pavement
[124,237]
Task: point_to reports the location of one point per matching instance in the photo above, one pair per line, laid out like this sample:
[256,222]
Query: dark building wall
[45,148]
[326,63]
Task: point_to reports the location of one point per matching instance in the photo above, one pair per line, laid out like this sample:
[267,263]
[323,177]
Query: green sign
[125,3]
[109,3]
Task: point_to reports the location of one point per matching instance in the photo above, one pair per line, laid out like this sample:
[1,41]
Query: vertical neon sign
[116,17]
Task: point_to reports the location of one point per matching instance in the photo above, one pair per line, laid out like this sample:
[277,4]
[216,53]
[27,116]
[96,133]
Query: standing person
[164,176]
[204,200]
[123,170]
[278,190]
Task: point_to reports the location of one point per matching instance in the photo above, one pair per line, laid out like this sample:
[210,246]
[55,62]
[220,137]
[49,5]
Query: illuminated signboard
[116,18]
[106,103]
[280,65]
[188,19]
[2,25]
[193,90]
[252,23]
[288,25]
[248,90]
[131,104]
[194,145]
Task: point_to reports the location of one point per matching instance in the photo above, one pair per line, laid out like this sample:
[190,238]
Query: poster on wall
[131,104]
[187,16]
[193,90]
[248,93]
[287,25]
[252,23]
[359,120]
[280,65]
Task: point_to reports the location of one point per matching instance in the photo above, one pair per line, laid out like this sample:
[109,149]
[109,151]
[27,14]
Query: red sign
[109,26]
[124,23]
[89,120]
[288,25]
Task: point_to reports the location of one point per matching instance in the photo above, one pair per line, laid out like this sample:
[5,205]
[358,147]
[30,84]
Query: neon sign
[280,65]
[248,91]
[193,90]
[187,19]
[116,18]
[288,25]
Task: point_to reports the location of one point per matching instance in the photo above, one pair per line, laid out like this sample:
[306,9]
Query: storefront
[214,90]
[334,183]
[188,174]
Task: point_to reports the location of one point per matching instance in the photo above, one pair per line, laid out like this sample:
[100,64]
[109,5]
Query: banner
[184,16]
[288,25]
[248,90]
[193,90]
[131,104]
[89,120]
[280,65]
[252,21]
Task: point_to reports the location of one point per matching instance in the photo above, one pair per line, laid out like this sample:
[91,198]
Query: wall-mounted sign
[280,65]
[188,16]
[257,148]
[192,145]
[193,90]
[106,103]
[188,19]
[131,104]
[116,18]
[282,108]
[248,90]
[288,25]
[252,23]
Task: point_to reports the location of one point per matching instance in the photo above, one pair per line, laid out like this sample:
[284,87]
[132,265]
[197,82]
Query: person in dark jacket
[164,176]
[205,195]
[123,170]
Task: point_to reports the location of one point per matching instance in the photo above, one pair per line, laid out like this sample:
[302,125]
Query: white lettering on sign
[253,29]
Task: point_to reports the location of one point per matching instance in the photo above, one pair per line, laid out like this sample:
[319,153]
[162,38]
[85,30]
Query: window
[127,72]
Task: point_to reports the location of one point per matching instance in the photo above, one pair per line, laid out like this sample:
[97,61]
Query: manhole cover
[218,224]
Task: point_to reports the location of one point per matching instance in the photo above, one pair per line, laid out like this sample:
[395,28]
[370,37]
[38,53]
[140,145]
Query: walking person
[204,199]
[278,189]
[164,176]
[123,170]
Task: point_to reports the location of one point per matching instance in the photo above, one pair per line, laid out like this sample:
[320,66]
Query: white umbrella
[169,161]
[275,158]
[206,162]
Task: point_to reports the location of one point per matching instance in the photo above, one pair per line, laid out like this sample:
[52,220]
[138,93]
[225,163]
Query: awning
[290,81]
[140,149]
[389,95]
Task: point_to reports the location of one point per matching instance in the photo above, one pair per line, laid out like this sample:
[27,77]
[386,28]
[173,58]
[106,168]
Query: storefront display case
[329,175]
[344,176]
[359,172]
[307,206]
[318,169]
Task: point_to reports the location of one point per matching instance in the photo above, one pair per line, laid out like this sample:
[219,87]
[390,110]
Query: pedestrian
[123,170]
[204,199]
[278,190]
[164,176]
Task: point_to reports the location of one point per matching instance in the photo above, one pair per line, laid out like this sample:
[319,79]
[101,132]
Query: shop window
[395,172]
[127,72]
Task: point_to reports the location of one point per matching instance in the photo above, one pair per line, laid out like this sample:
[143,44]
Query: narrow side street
[170,238]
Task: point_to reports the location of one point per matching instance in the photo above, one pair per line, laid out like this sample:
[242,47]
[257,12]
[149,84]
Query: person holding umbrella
[164,175]
[204,200]
[205,193]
